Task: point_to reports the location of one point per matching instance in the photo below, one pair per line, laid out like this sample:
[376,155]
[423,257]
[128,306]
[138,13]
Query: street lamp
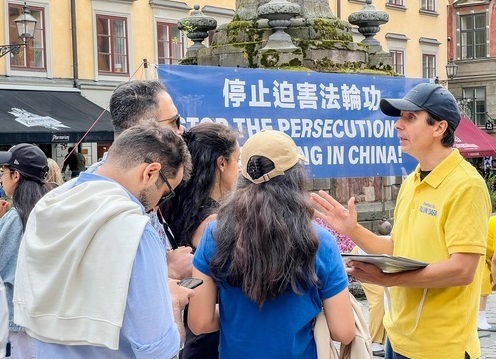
[451,70]
[25,25]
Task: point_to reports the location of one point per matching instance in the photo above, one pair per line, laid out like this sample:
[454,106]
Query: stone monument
[368,21]
[302,35]
[289,34]
[197,26]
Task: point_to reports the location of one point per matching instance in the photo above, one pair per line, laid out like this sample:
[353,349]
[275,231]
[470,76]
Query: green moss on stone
[251,51]
[234,28]
[269,58]
[241,30]
[294,68]
[331,30]
[327,65]
[292,64]
[322,44]
[238,25]
[189,61]
[298,51]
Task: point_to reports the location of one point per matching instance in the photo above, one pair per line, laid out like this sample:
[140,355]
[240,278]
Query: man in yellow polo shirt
[441,217]
[493,262]
[487,281]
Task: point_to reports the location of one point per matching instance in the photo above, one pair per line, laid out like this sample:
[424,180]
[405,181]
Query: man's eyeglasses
[2,172]
[171,193]
[176,119]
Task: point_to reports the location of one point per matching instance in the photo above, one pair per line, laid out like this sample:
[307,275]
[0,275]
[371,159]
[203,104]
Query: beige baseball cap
[276,146]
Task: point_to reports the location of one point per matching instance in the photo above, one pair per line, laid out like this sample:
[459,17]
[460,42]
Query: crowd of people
[93,267]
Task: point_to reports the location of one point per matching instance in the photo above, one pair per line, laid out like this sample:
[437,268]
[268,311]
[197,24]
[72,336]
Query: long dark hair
[26,194]
[206,143]
[266,243]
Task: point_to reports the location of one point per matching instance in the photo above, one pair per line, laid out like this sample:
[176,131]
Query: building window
[429,66]
[428,5]
[170,43]
[396,2]
[32,56]
[398,61]
[112,44]
[473,36]
[474,104]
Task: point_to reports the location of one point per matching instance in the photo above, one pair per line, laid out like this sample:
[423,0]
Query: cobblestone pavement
[488,344]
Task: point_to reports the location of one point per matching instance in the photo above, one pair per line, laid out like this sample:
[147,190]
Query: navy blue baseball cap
[432,98]
[26,158]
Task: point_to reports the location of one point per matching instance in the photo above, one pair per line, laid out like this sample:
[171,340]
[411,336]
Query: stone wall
[375,196]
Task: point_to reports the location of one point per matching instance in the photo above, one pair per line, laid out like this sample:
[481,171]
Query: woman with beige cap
[270,266]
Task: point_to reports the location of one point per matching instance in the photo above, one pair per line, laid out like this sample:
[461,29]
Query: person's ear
[441,127]
[221,163]
[16,176]
[150,173]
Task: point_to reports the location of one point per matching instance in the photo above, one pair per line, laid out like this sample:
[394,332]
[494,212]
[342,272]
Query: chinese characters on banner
[334,119]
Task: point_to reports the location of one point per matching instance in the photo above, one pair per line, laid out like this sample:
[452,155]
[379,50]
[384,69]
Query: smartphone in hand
[190,283]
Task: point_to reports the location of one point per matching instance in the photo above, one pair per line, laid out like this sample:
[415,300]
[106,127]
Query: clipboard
[386,262]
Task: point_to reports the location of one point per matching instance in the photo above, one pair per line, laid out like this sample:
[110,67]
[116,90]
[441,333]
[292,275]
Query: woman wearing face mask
[24,168]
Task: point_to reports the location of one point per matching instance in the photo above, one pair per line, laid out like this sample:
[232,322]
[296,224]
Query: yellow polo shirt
[486,287]
[446,213]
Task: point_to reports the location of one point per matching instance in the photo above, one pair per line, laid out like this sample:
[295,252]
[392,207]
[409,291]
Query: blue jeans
[389,350]
[390,354]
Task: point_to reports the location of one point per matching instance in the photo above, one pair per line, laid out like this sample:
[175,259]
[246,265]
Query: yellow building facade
[114,36]
[91,46]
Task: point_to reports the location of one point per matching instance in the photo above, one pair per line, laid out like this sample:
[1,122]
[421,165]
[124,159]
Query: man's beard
[143,197]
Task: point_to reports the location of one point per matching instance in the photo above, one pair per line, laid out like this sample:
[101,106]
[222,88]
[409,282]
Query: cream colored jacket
[75,263]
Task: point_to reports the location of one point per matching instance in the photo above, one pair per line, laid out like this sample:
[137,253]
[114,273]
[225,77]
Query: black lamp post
[26,25]
[451,69]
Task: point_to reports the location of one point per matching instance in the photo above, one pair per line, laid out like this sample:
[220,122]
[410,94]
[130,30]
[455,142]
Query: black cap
[28,159]
[432,98]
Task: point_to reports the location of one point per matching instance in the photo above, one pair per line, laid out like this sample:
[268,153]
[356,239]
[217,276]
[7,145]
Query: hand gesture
[344,220]
[4,207]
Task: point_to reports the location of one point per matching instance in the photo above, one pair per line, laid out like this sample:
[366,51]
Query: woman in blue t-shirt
[271,268]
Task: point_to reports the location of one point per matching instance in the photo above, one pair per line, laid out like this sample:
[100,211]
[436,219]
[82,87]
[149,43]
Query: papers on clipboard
[387,263]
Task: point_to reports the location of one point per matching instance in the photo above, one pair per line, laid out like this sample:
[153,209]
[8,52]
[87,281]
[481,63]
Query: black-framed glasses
[171,193]
[176,119]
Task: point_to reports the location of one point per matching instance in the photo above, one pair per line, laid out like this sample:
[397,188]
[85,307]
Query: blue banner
[334,119]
